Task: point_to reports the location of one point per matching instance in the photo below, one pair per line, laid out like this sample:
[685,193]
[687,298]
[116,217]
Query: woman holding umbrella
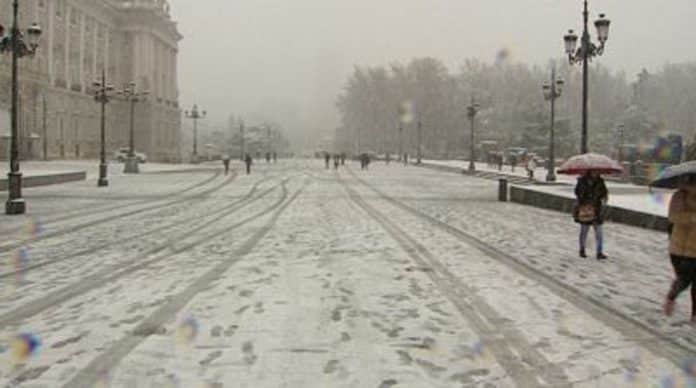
[682,244]
[592,195]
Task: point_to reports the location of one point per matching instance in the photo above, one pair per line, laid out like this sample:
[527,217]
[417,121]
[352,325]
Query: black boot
[582,253]
[601,256]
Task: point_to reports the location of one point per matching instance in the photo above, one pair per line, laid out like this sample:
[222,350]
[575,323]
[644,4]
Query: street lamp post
[243,151]
[419,154]
[622,129]
[16,45]
[132,97]
[195,115]
[269,143]
[45,127]
[552,91]
[584,54]
[401,141]
[471,112]
[101,95]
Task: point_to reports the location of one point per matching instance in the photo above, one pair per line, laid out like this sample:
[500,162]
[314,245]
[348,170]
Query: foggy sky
[288,59]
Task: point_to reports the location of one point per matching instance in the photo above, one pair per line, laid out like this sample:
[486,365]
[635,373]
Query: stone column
[95,48]
[66,53]
[51,13]
[81,75]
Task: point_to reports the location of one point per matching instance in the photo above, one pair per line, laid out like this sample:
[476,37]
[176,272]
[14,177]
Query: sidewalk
[621,195]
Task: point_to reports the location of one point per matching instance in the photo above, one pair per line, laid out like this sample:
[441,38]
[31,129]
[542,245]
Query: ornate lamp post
[18,47]
[621,129]
[552,91]
[195,115]
[102,96]
[471,112]
[584,54]
[130,94]
[419,154]
[243,141]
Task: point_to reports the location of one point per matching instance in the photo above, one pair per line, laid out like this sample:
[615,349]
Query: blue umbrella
[672,176]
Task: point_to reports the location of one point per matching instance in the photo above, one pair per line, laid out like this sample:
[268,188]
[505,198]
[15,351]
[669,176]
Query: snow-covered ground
[297,276]
[32,167]
[623,195]
[520,170]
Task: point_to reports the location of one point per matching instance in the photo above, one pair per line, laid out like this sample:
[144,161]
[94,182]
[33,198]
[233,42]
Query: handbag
[586,213]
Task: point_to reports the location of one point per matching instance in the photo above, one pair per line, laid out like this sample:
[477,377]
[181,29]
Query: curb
[46,180]
[619,215]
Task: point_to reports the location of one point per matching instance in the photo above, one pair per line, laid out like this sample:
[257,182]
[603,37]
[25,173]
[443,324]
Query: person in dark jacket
[327,159]
[226,164]
[592,196]
[248,161]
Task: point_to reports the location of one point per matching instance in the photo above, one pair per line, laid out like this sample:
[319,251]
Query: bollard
[502,190]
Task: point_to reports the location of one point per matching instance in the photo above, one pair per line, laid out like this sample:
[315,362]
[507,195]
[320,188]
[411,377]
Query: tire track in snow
[634,330]
[104,208]
[110,358]
[137,263]
[199,220]
[102,220]
[523,363]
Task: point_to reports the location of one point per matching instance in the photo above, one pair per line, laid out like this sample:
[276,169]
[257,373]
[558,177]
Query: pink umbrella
[580,164]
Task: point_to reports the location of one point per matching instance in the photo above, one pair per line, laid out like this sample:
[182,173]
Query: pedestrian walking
[531,166]
[226,163]
[500,161]
[268,157]
[337,161]
[327,159]
[405,159]
[275,157]
[592,195]
[343,159]
[682,244]
[248,161]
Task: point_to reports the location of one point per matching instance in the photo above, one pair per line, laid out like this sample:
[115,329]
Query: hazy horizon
[287,61]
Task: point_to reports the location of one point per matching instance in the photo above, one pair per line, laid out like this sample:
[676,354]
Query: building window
[74,17]
[60,4]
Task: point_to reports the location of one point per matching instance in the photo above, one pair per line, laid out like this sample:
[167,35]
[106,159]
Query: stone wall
[564,204]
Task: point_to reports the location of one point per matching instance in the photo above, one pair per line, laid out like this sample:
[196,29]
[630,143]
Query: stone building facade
[131,40]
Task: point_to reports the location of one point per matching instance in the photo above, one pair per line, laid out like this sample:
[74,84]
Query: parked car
[518,152]
[122,154]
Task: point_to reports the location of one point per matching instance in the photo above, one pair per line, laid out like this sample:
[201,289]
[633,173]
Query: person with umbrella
[592,196]
[682,241]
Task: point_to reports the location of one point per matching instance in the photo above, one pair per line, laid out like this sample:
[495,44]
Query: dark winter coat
[592,191]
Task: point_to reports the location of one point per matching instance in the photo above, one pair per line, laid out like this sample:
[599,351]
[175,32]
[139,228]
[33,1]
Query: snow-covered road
[297,276]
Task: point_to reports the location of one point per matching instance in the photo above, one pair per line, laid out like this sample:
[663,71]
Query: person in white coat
[531,167]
